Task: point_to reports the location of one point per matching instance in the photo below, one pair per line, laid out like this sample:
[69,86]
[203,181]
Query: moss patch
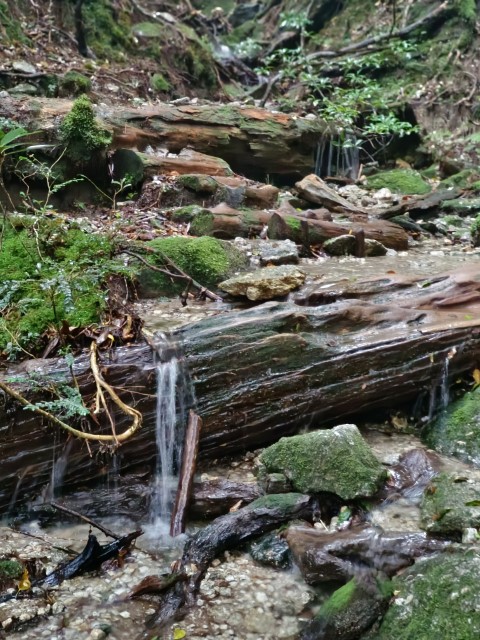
[335,460]
[74,83]
[450,504]
[436,598]
[49,274]
[205,259]
[457,431]
[81,134]
[402,181]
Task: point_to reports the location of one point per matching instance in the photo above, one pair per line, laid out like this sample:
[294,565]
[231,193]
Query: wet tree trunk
[266,372]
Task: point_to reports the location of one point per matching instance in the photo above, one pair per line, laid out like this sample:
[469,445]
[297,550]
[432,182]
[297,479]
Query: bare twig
[72,512]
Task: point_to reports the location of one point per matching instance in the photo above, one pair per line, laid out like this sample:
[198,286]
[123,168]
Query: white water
[168,443]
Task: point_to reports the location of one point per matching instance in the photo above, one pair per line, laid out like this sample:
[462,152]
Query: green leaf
[12,135]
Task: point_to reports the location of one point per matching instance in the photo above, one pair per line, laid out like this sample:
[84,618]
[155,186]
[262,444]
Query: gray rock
[265,284]
[451,503]
[272,551]
[278,252]
[26,89]
[334,460]
[374,248]
[436,598]
[22,66]
[340,246]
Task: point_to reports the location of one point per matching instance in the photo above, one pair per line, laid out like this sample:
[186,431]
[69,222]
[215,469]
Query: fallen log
[314,189]
[187,472]
[212,498]
[373,345]
[252,140]
[428,205]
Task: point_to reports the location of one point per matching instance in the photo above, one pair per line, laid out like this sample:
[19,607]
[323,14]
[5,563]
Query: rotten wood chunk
[314,189]
[216,497]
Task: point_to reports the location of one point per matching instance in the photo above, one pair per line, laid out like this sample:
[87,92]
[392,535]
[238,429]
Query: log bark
[371,345]
[187,472]
[253,141]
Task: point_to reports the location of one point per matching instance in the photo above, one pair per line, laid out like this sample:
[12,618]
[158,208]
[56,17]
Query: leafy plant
[80,133]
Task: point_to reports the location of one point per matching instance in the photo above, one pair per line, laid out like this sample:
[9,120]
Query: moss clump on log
[81,134]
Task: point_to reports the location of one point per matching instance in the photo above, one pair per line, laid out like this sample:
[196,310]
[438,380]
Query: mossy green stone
[74,83]
[335,460]
[437,598]
[281,501]
[10,569]
[402,181]
[450,504]
[198,183]
[462,206]
[188,213]
[456,432]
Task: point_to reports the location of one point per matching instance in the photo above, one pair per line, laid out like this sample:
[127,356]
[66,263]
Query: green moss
[339,600]
[159,83]
[10,569]
[333,460]
[466,9]
[108,29]
[402,181]
[457,431]
[460,179]
[74,83]
[198,183]
[50,274]
[205,259]
[11,27]
[293,223]
[449,504]
[436,598]
[81,134]
[203,223]
[188,213]
[280,501]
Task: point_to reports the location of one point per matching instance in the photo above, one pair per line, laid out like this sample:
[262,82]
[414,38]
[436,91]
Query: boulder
[456,431]
[340,246]
[337,461]
[374,248]
[436,598]
[450,504]
[265,284]
[276,253]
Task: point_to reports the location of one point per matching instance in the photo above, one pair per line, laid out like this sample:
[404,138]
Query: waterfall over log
[265,372]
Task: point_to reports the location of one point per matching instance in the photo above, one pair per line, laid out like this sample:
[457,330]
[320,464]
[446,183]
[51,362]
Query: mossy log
[253,141]
[267,372]
[228,223]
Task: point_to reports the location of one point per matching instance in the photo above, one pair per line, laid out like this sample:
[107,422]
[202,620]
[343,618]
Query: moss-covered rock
[461,179]
[284,502]
[74,83]
[335,460]
[159,83]
[340,246]
[272,551]
[450,504]
[198,183]
[82,136]
[349,611]
[456,431]
[205,259]
[188,213]
[436,598]
[401,181]
[462,206]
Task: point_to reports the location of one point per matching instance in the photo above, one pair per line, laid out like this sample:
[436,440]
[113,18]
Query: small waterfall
[59,467]
[172,400]
[340,157]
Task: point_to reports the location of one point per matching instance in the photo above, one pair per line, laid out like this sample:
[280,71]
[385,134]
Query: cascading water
[339,157]
[171,396]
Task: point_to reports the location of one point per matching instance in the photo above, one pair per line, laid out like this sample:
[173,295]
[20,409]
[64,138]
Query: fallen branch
[72,512]
[187,472]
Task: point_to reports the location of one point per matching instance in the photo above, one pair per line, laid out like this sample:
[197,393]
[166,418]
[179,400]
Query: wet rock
[22,66]
[265,284]
[350,611]
[340,246]
[217,496]
[275,483]
[456,432]
[450,504]
[413,472]
[463,206]
[339,556]
[335,460]
[25,88]
[277,253]
[198,183]
[436,598]
[272,551]
[374,248]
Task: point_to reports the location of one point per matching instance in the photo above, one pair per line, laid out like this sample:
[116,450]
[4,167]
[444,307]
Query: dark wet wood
[338,556]
[187,472]
[212,498]
[365,346]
